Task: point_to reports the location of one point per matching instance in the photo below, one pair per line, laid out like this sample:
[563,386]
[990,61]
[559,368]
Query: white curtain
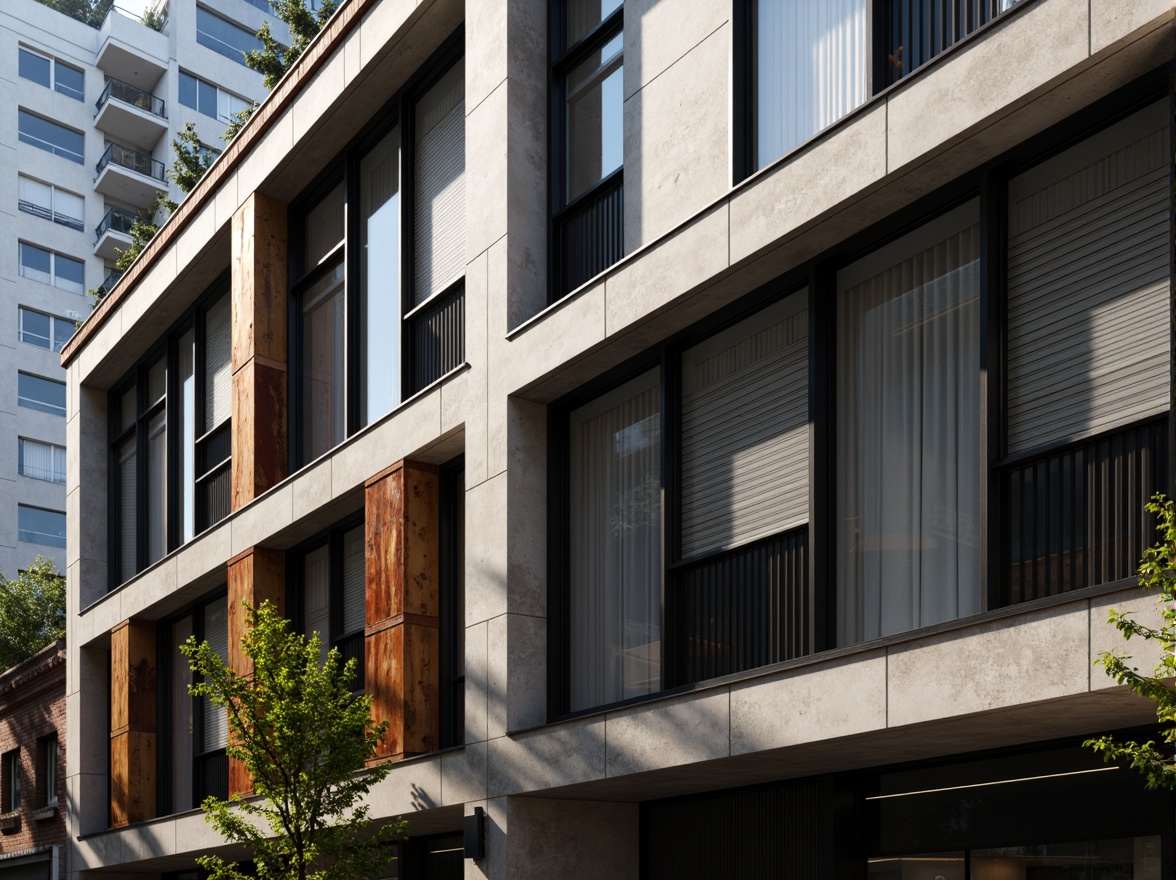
[908,425]
[811,69]
[615,614]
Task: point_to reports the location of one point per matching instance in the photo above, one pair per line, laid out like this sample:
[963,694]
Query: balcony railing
[918,30]
[589,235]
[129,94]
[133,160]
[1074,516]
[437,333]
[115,220]
[740,609]
[49,214]
[110,280]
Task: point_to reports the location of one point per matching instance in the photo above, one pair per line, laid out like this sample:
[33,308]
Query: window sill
[45,813]
[10,822]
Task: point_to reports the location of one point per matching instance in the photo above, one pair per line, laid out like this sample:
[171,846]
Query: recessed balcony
[113,234]
[130,114]
[129,176]
[130,51]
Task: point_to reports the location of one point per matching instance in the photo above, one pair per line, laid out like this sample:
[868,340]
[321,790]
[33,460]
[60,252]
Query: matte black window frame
[168,348]
[166,701]
[987,184]
[331,538]
[564,58]
[399,111]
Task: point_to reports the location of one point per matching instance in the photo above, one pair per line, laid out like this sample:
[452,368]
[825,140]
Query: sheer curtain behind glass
[615,483]
[811,69]
[908,425]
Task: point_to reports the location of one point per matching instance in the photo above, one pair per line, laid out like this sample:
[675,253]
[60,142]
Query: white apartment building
[85,138]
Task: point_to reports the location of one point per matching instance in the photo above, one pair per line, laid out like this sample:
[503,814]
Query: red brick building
[32,766]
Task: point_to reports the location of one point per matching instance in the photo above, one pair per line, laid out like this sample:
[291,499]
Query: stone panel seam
[487,96]
[677,60]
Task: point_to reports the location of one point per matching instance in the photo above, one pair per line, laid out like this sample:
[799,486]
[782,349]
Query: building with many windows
[719,430]
[87,130]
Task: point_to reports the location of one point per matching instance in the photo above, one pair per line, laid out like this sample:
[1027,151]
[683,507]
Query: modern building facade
[87,139]
[720,430]
[32,767]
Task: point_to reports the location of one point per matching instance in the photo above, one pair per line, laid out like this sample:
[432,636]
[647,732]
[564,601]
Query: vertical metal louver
[745,430]
[1088,286]
[439,165]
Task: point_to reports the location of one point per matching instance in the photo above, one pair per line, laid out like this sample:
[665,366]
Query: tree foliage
[90,12]
[1157,571]
[304,737]
[274,59]
[32,611]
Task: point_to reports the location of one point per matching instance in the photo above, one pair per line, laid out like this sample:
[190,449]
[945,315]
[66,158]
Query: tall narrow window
[331,579]
[908,423]
[47,769]
[214,447]
[615,524]
[588,197]
[452,578]
[10,770]
[212,767]
[810,70]
[379,266]
[180,755]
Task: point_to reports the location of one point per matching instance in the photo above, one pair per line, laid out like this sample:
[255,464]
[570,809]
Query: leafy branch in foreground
[304,738]
[32,611]
[1156,572]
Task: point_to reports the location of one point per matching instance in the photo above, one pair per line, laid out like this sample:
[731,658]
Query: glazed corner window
[330,583]
[171,443]
[35,525]
[588,184]
[379,303]
[52,74]
[50,203]
[43,395]
[51,137]
[47,768]
[10,780]
[66,273]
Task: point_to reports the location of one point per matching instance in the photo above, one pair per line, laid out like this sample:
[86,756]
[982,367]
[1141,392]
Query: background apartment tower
[89,117]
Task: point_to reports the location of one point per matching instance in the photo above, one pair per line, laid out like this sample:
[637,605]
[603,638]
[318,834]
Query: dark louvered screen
[352,646]
[918,30]
[438,338]
[742,609]
[1074,516]
[590,236]
[765,834]
[212,776]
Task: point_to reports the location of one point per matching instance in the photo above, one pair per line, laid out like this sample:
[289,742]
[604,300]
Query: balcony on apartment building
[111,279]
[131,51]
[129,176]
[113,234]
[130,114]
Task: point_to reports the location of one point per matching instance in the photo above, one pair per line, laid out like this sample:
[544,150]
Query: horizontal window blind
[218,376]
[745,430]
[353,580]
[316,596]
[216,633]
[1088,286]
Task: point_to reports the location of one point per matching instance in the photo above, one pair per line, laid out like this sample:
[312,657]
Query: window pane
[316,595]
[36,194]
[186,417]
[181,718]
[322,365]
[188,90]
[69,81]
[379,206]
[35,328]
[615,602]
[34,67]
[128,500]
[36,263]
[223,36]
[324,227]
[69,274]
[206,98]
[41,394]
[908,420]
[68,206]
[41,461]
[46,135]
[581,16]
[156,488]
[218,377]
[595,117]
[810,69]
[63,330]
[215,733]
[353,580]
[38,526]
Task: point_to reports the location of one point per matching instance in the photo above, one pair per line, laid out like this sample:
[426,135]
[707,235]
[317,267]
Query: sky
[134,7]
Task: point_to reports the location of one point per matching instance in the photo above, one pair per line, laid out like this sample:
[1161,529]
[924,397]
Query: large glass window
[40,461]
[38,264]
[171,441]
[51,73]
[589,196]
[380,297]
[44,331]
[35,525]
[43,395]
[206,98]
[223,36]
[51,203]
[331,584]
[908,426]
[50,136]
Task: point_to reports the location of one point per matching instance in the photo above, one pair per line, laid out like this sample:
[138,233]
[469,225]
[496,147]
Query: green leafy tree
[32,611]
[1157,572]
[305,738]
[273,59]
[89,12]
